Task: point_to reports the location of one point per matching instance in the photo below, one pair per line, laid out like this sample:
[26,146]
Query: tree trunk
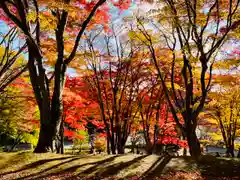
[230,150]
[45,140]
[45,143]
[121,149]
[149,145]
[108,145]
[57,105]
[61,151]
[184,149]
[149,148]
[193,143]
[41,92]
[113,147]
[50,130]
[121,146]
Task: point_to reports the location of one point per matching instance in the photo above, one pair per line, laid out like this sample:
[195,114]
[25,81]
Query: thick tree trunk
[45,140]
[193,143]
[121,143]
[57,105]
[45,143]
[230,150]
[56,123]
[121,146]
[149,144]
[50,120]
[120,149]
[113,147]
[149,148]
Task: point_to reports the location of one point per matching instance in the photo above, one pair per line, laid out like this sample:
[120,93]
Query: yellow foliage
[169,85]
[47,20]
[216,136]
[146,39]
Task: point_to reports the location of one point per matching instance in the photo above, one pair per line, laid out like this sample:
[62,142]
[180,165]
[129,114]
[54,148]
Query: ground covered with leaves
[27,165]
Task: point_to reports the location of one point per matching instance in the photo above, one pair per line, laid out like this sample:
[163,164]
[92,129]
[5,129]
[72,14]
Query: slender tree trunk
[108,145]
[184,149]
[62,137]
[193,143]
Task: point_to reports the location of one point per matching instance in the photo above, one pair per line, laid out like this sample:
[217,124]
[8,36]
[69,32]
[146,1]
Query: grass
[27,165]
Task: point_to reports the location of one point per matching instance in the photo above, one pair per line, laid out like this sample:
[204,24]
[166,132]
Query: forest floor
[27,165]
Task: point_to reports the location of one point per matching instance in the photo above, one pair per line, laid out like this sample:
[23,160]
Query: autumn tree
[183,28]
[114,76]
[17,112]
[52,31]
[224,112]
[157,123]
[80,112]
[150,105]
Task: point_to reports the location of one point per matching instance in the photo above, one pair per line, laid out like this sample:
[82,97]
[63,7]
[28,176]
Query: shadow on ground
[219,167]
[70,170]
[106,168]
[209,167]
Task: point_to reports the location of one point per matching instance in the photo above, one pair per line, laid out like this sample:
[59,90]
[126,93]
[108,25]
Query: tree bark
[230,150]
[57,109]
[45,143]
[62,137]
[120,149]
[149,147]
[113,147]
[184,149]
[46,135]
[108,145]
[193,143]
